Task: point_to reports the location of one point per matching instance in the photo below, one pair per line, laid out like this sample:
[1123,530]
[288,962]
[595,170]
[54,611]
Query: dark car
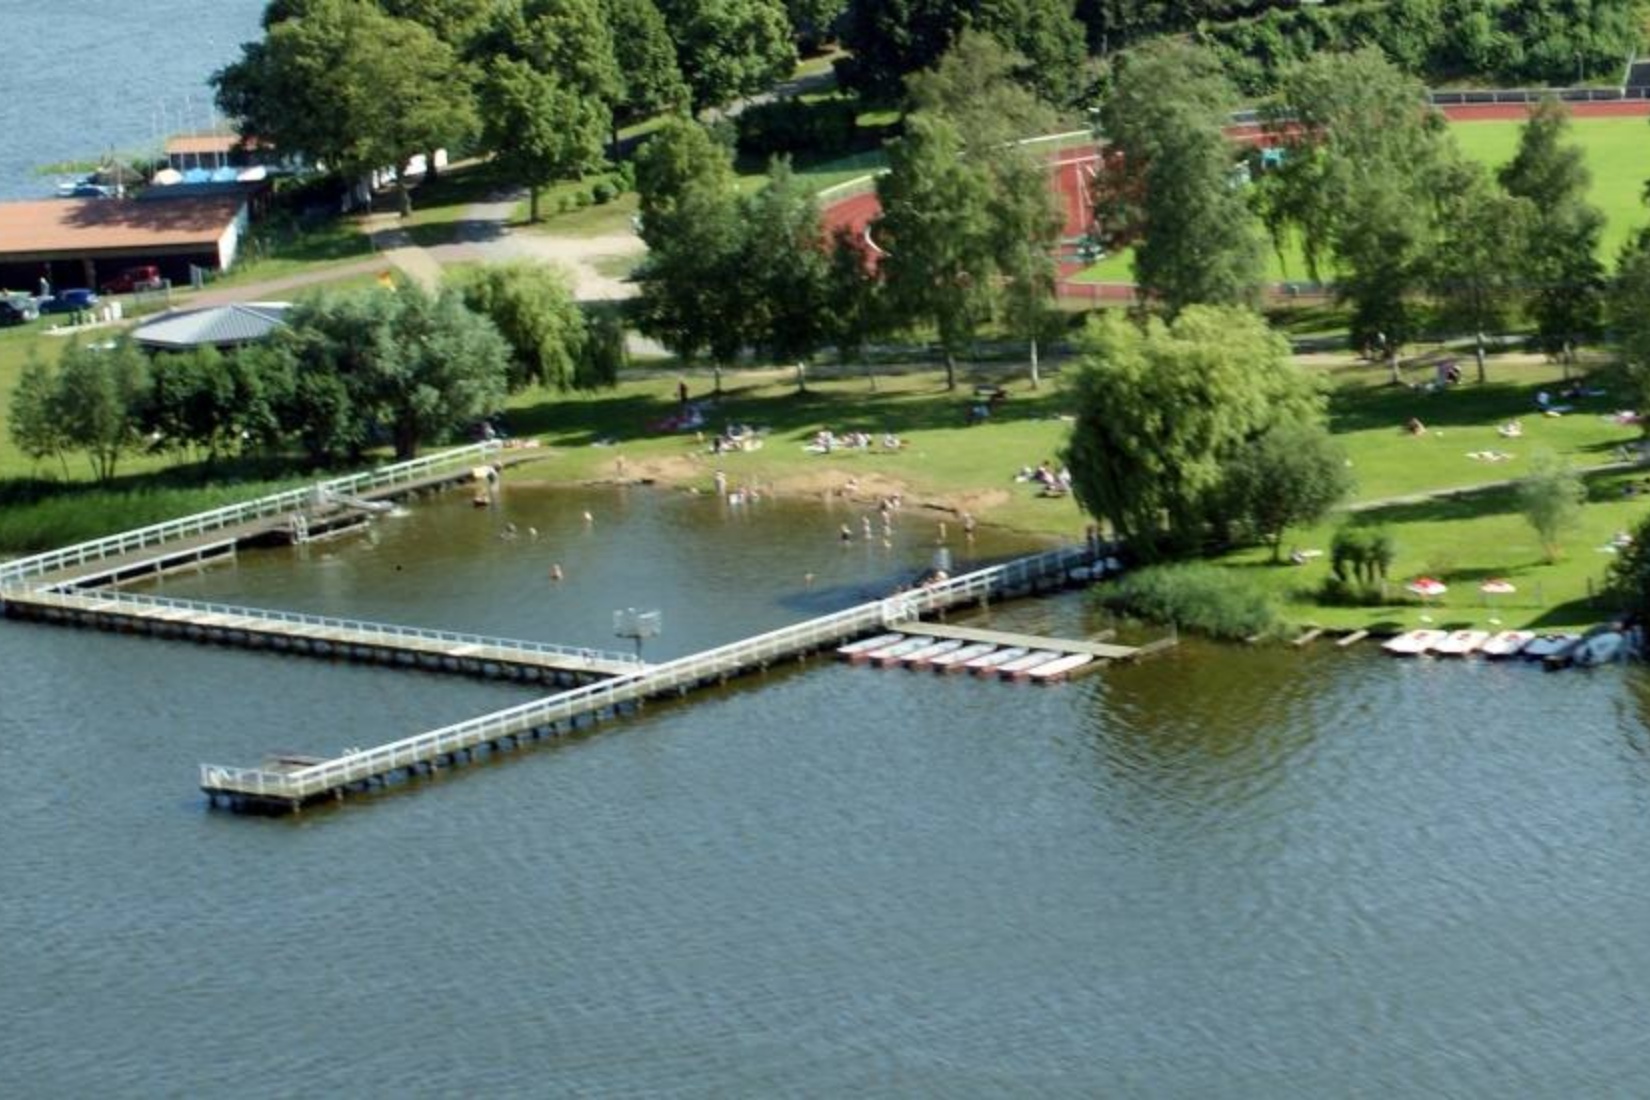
[15,309]
[69,301]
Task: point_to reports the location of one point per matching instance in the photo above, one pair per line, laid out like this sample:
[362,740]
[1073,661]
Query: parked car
[15,309]
[143,277]
[69,301]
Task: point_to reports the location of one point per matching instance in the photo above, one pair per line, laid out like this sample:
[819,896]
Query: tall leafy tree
[100,395]
[540,129]
[851,297]
[729,48]
[349,86]
[814,21]
[1560,265]
[1474,269]
[973,86]
[1025,225]
[1366,163]
[1629,312]
[936,234]
[691,222]
[1162,410]
[785,269]
[1173,180]
[650,81]
[32,416]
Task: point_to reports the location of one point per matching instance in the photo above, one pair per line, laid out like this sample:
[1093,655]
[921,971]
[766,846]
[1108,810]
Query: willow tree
[1163,408]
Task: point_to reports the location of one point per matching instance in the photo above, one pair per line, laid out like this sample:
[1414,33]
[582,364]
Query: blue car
[69,301]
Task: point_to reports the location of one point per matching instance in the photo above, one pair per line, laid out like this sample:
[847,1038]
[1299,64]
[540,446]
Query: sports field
[1618,155]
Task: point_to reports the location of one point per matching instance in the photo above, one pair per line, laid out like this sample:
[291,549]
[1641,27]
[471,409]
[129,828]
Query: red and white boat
[861,650]
[1507,643]
[1062,668]
[957,658]
[1413,643]
[1459,643]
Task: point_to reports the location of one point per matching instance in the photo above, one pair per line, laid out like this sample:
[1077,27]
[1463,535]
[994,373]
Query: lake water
[81,78]
[1223,872]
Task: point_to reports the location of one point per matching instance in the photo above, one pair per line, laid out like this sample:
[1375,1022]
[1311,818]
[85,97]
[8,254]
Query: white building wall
[230,243]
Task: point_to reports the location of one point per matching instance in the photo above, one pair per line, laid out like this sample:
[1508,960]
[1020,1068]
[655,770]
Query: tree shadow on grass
[787,414]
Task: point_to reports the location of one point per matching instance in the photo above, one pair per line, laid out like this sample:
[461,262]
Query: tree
[649,79]
[1483,231]
[100,395]
[890,39]
[532,307]
[851,296]
[1162,410]
[1551,496]
[814,21]
[935,233]
[1173,179]
[192,402]
[1629,304]
[690,211]
[784,269]
[1025,229]
[539,129]
[1292,476]
[729,48]
[972,85]
[1364,168]
[33,417]
[405,366]
[1560,259]
[1629,577]
[348,86]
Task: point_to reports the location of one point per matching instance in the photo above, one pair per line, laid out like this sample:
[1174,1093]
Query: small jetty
[985,652]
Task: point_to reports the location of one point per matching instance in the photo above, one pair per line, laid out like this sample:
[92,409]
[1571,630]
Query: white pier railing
[298,785]
[275,504]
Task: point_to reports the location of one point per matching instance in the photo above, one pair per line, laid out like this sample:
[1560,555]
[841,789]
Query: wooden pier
[282,786]
[319,636]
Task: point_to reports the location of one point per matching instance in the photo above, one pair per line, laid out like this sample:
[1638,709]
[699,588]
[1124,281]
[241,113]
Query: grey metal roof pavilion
[220,327]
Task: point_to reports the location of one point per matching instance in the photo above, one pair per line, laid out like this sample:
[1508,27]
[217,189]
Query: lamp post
[637,626]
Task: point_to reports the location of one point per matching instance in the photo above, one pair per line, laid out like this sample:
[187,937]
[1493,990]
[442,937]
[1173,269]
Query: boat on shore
[1543,646]
[860,651]
[1506,644]
[988,664]
[1600,649]
[1460,643]
[1413,643]
[1062,668]
[922,658]
[890,655]
[1021,669]
[958,658]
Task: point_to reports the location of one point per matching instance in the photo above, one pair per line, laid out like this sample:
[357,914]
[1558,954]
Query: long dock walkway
[1104,651]
[147,549]
[285,785]
[320,635]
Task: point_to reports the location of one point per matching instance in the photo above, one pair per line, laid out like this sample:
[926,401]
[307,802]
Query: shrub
[1196,596]
[602,192]
[581,198]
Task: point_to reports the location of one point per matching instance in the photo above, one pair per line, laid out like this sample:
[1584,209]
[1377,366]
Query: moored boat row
[1600,645]
[1018,663]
